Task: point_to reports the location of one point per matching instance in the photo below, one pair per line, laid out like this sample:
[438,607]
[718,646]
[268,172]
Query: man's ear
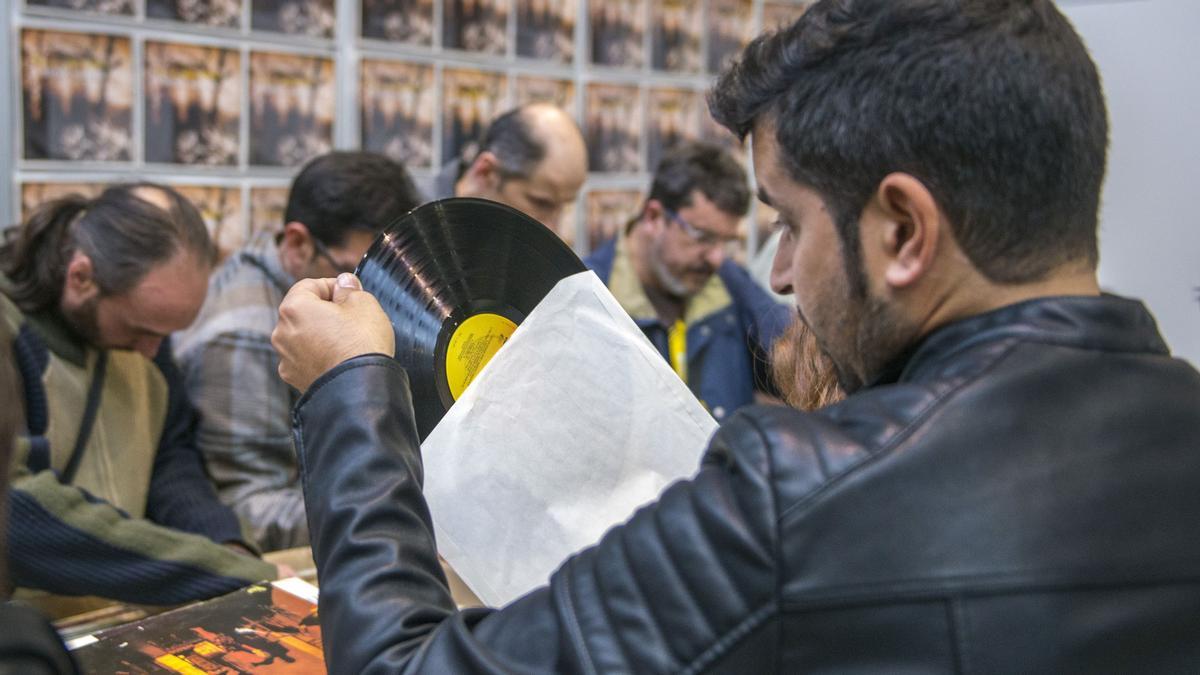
[907,228]
[654,216]
[80,281]
[484,172]
[295,248]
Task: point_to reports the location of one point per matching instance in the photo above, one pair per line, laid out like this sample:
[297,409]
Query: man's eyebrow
[763,196]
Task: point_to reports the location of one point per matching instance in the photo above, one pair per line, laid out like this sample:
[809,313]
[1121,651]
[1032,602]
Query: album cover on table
[267,628]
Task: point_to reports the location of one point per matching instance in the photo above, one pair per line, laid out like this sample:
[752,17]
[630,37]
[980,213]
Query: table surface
[74,616]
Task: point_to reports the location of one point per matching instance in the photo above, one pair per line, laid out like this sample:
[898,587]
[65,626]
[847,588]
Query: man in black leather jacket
[1011,485]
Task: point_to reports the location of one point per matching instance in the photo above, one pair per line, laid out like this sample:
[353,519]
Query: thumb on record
[346,285]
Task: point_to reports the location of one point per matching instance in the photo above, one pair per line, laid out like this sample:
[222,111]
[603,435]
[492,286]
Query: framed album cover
[397,106]
[730,29]
[470,99]
[211,13]
[193,100]
[311,18]
[76,96]
[118,7]
[607,212]
[613,121]
[675,40]
[404,21]
[34,193]
[291,108]
[221,208]
[268,204]
[550,90]
[617,27]
[546,30]
[476,26]
[673,116]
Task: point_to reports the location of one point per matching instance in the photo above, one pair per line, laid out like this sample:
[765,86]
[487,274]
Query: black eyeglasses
[323,251]
[701,237]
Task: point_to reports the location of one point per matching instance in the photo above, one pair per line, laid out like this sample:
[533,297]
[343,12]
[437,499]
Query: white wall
[1148,52]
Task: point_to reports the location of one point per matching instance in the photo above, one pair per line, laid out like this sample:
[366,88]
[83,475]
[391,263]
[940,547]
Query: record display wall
[227,98]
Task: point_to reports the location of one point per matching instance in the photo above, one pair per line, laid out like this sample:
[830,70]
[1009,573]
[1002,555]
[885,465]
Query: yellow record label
[472,346]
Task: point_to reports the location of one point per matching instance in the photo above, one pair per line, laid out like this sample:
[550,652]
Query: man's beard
[869,334]
[84,321]
[671,284]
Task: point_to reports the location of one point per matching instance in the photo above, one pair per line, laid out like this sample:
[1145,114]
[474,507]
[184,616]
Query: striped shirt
[232,376]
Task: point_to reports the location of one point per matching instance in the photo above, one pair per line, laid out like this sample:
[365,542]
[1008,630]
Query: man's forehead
[707,215]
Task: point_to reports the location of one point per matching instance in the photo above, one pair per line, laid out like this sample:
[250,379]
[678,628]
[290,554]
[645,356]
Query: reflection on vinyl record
[456,277]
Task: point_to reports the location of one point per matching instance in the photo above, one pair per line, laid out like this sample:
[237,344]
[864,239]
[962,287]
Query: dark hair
[124,235]
[994,105]
[513,141]
[343,191]
[705,167]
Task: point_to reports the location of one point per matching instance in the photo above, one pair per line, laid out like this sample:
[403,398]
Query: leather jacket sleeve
[677,587]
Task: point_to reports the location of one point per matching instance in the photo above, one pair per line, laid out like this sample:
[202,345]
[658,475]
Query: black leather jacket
[1020,495]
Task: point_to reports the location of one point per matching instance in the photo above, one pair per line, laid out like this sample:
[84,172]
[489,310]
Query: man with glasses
[670,270]
[337,205]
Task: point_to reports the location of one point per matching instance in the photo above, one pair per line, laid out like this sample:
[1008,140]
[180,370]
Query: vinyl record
[456,277]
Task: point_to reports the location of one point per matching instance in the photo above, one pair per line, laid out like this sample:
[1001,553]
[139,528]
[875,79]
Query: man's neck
[669,308]
[59,335]
[987,296]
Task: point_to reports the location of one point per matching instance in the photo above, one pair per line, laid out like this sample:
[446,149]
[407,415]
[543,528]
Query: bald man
[532,158]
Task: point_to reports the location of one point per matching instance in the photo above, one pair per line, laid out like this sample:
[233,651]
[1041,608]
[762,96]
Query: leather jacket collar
[1108,322]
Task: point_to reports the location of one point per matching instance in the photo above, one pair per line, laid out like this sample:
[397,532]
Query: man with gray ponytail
[109,495]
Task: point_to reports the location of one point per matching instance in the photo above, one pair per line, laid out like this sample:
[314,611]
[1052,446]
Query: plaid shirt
[232,376]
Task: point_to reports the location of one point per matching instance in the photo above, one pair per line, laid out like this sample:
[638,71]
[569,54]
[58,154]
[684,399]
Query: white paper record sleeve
[575,423]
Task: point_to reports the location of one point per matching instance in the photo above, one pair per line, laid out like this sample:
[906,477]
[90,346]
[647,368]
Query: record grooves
[456,277]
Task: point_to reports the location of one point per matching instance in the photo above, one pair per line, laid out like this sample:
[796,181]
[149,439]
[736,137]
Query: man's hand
[323,322]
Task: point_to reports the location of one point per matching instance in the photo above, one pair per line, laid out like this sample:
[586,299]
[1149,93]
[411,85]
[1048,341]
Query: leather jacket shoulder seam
[563,592]
[723,644]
